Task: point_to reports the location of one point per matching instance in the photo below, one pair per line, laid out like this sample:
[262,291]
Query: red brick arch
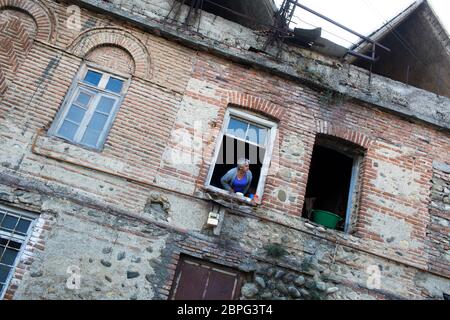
[43,17]
[3,85]
[96,37]
[332,129]
[256,104]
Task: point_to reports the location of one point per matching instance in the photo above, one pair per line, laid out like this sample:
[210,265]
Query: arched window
[244,135]
[94,98]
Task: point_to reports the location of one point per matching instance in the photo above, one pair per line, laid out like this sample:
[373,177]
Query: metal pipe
[371,64]
[362,56]
[200,16]
[188,17]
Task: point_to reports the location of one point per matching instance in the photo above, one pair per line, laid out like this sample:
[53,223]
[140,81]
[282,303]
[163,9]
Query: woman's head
[243,164]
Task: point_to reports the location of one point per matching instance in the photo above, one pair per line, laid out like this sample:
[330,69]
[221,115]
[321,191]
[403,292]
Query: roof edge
[381,32]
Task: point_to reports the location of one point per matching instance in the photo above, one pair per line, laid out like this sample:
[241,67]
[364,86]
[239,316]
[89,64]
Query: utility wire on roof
[390,27]
[404,43]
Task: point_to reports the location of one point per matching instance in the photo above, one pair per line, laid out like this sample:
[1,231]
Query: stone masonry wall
[118,256]
[438,230]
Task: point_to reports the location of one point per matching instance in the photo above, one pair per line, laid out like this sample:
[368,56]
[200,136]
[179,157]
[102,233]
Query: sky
[363,16]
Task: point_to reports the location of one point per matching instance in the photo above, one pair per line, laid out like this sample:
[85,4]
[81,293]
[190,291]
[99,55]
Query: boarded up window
[198,280]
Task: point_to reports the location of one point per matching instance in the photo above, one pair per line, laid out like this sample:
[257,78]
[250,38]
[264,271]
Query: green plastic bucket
[326,218]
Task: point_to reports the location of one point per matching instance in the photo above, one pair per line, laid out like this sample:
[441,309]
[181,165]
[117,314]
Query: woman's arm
[226,180]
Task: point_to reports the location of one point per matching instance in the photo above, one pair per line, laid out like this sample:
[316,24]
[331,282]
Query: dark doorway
[329,180]
[199,280]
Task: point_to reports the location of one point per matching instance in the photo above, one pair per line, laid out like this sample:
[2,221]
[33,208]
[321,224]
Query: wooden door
[199,280]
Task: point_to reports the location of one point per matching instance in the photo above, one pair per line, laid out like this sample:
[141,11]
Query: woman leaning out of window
[238,180]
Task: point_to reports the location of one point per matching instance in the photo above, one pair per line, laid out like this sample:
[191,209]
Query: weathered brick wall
[3,84]
[173,90]
[112,250]
[396,175]
[113,58]
[17,31]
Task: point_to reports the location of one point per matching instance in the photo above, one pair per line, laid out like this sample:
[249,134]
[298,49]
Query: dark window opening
[330,177]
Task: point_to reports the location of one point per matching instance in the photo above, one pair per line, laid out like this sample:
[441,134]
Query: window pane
[9,222]
[237,128]
[256,134]
[83,99]
[68,130]
[2,215]
[105,105]
[76,114]
[114,85]
[98,121]
[23,226]
[9,256]
[4,270]
[14,244]
[91,137]
[92,77]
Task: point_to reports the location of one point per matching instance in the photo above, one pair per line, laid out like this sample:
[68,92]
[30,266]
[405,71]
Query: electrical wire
[404,42]
[325,30]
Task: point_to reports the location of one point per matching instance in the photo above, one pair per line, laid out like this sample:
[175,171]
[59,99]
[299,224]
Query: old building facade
[112,122]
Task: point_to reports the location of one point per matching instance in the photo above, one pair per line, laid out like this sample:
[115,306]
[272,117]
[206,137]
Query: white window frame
[97,92]
[25,239]
[269,143]
[354,181]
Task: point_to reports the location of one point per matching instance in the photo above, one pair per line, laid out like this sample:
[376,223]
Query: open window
[332,180]
[243,135]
